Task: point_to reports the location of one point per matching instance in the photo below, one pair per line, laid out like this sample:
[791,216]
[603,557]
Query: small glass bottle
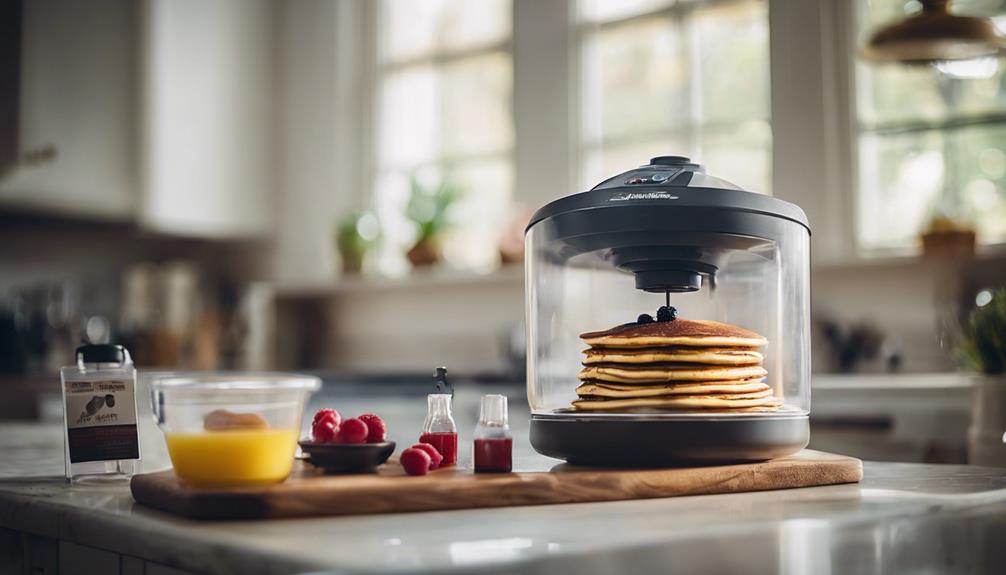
[100,437]
[439,429]
[493,446]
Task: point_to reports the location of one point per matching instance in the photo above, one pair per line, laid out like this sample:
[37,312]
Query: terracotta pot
[948,244]
[425,253]
[352,262]
[988,421]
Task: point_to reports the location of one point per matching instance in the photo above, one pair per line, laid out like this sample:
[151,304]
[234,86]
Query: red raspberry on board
[352,431]
[327,414]
[435,457]
[377,431]
[415,461]
[324,431]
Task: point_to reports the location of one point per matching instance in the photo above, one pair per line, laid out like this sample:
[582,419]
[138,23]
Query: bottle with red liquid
[493,448]
[439,429]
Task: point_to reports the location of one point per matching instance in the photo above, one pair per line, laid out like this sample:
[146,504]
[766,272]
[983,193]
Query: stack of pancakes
[674,365]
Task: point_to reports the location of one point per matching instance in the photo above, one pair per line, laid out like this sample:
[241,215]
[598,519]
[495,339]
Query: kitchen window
[929,144]
[444,89]
[683,78]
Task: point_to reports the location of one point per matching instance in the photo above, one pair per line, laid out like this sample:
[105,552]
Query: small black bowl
[347,457]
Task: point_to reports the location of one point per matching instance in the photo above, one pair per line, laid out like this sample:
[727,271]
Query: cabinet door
[207,109]
[75,124]
[82,560]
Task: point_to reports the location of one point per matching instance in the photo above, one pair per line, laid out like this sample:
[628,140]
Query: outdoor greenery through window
[444,85]
[660,77]
[930,144]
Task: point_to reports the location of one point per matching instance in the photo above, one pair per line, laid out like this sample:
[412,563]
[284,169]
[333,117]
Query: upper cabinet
[158,112]
[208,161]
[73,151]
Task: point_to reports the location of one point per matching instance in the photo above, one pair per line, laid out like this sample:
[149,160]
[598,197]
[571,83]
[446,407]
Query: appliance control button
[670,160]
[660,177]
[635,180]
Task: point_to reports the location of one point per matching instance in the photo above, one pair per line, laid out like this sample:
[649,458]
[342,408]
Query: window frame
[691,131]
[378,69]
[857,129]
[437,60]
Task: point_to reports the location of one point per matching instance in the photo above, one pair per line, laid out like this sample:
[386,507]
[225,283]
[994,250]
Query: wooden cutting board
[306,492]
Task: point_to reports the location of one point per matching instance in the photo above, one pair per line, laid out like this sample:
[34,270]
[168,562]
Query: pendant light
[935,36]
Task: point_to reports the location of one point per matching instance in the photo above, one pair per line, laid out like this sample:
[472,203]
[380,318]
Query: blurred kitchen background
[341,187]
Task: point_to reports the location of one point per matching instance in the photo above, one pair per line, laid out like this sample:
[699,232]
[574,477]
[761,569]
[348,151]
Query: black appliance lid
[668,179]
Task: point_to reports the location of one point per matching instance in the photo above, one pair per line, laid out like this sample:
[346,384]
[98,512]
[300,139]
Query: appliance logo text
[625,196]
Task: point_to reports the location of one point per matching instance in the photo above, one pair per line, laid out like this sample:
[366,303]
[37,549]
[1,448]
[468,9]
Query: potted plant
[428,208]
[356,234]
[948,237]
[984,348]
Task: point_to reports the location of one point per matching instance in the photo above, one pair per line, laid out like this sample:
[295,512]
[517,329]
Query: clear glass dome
[667,231]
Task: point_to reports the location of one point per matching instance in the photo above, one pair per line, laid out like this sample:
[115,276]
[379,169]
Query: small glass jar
[493,446]
[439,429]
[100,437]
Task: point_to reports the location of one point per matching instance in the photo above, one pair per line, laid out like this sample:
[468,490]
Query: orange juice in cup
[233,456]
[231,429]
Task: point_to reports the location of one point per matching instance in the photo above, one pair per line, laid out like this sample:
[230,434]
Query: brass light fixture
[935,36]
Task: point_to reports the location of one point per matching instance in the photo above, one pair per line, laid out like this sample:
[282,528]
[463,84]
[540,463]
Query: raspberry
[375,425]
[415,461]
[435,456]
[324,431]
[352,431]
[328,414]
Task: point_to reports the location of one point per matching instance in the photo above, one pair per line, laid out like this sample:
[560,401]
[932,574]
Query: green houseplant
[984,345]
[428,208]
[984,348]
[356,234]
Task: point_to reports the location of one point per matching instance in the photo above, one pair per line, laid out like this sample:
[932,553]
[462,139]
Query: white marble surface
[903,517]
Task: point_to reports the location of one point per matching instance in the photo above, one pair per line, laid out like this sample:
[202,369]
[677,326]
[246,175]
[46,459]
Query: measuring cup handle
[157,405]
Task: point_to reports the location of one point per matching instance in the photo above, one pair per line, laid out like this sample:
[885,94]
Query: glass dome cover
[667,234]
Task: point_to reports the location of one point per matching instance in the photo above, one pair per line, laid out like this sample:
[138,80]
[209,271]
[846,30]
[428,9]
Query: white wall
[321,118]
[417,325]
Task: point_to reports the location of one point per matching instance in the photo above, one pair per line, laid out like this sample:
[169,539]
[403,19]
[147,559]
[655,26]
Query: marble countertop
[901,518]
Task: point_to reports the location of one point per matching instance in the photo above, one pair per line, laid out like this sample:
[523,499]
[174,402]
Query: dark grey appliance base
[662,442]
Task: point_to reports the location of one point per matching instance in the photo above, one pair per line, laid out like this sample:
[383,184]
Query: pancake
[763,399]
[680,332]
[664,374]
[616,391]
[711,356]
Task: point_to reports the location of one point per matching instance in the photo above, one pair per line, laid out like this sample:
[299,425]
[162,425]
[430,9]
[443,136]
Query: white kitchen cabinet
[206,110]
[158,112]
[75,126]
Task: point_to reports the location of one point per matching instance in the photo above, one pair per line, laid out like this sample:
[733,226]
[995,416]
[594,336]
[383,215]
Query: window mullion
[685,24]
[444,58]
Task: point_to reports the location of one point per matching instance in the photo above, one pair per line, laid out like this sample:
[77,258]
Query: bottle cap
[493,410]
[101,353]
[443,386]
